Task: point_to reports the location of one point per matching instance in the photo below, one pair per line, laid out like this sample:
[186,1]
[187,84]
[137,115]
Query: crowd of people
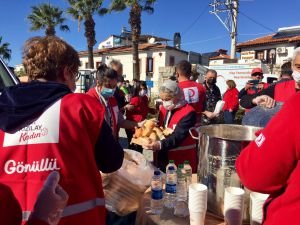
[53,140]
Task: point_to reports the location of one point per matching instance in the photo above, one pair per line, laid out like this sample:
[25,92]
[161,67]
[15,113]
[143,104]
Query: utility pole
[229,21]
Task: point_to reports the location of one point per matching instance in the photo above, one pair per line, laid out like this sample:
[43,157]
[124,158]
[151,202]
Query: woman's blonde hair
[47,57]
[231,84]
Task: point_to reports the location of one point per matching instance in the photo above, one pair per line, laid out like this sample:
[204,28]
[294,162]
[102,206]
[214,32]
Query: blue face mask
[107,92]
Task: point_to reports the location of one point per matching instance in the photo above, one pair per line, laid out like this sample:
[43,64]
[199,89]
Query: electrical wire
[195,21]
[206,40]
[258,23]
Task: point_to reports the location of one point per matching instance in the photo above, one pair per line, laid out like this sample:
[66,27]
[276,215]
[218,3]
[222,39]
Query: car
[7,77]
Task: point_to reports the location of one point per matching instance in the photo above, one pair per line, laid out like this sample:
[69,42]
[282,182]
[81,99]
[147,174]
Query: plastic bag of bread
[124,188]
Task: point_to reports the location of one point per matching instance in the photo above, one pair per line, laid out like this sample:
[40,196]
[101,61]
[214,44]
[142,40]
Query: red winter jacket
[231,98]
[140,110]
[270,164]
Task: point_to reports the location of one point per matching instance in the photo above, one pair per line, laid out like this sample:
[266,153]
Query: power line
[258,23]
[195,21]
[201,41]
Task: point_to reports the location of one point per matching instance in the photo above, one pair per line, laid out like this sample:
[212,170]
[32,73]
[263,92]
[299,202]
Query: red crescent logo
[191,92]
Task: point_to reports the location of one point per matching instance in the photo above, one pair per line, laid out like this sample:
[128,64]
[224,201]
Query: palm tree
[46,16]
[136,8]
[5,52]
[84,10]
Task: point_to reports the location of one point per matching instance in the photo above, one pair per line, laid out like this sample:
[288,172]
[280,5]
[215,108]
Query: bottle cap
[171,161]
[180,166]
[186,162]
[156,172]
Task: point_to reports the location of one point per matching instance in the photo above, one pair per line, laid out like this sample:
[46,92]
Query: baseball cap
[256,70]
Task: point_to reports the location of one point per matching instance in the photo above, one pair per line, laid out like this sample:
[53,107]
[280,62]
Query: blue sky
[200,30]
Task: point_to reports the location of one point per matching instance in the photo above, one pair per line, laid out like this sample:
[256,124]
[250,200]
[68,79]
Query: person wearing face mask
[44,127]
[106,82]
[281,91]
[213,95]
[178,116]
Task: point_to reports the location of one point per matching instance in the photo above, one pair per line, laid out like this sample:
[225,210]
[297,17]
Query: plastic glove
[51,200]
[264,100]
[154,146]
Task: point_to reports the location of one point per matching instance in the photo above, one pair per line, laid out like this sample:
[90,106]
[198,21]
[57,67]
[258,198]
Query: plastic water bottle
[171,163]
[156,193]
[181,208]
[188,172]
[171,181]
[181,192]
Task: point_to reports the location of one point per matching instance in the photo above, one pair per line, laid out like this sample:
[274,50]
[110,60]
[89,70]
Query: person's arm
[266,164]
[247,100]
[108,152]
[180,133]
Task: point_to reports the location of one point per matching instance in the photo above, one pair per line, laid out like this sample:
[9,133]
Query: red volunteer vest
[113,109]
[62,139]
[284,90]
[194,94]
[187,149]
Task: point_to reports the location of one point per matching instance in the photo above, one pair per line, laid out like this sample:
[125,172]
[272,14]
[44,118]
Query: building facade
[273,50]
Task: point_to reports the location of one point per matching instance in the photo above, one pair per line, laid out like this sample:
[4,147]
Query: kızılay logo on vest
[32,132]
[12,166]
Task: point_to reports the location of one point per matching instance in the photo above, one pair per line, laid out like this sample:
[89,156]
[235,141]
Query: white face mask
[169,105]
[296,76]
[143,92]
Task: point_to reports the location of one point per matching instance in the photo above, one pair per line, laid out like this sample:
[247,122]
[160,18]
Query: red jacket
[187,149]
[284,90]
[231,98]
[52,142]
[140,110]
[270,164]
[194,94]
[112,106]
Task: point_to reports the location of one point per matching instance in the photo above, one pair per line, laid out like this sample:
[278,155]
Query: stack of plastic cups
[257,202]
[197,203]
[233,205]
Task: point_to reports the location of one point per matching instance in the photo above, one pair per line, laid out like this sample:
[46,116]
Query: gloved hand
[51,200]
[154,146]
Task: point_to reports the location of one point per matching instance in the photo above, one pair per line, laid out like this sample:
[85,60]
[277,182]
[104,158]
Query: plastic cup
[197,218]
[257,201]
[233,205]
[197,197]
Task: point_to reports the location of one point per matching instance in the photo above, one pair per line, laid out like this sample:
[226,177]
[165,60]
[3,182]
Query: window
[149,65]
[271,56]
[259,55]
[171,61]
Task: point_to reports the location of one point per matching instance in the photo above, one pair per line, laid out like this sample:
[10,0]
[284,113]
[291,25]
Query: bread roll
[153,136]
[138,132]
[146,132]
[159,133]
[150,124]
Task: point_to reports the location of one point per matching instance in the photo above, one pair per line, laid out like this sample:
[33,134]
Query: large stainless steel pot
[219,146]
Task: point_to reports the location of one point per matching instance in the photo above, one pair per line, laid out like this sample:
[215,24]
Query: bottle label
[157,194]
[171,188]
